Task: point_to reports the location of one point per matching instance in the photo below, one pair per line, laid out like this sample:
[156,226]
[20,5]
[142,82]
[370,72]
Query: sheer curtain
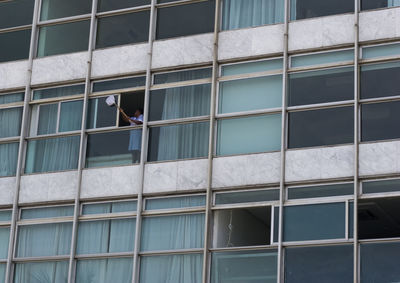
[8,159]
[248,13]
[47,119]
[70,116]
[41,272]
[10,122]
[117,270]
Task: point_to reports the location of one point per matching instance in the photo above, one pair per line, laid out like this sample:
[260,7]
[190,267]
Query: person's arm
[126,117]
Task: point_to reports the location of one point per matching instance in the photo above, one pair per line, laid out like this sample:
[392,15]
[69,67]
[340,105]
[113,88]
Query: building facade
[269,149]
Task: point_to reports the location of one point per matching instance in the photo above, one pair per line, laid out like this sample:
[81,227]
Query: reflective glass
[375,4]
[8,161]
[15,45]
[10,122]
[382,186]
[321,58]
[2,272]
[47,212]
[185,75]
[320,191]
[100,114]
[4,239]
[304,9]
[107,5]
[243,197]
[175,202]
[12,97]
[53,9]
[381,50]
[109,207]
[5,215]
[119,84]
[70,116]
[16,13]
[104,270]
[40,272]
[59,91]
[251,67]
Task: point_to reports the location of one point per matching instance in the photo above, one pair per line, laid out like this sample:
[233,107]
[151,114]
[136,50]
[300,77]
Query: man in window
[135,137]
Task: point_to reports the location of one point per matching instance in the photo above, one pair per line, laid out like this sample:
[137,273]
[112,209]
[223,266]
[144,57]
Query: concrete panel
[120,60]
[183,51]
[381,24]
[112,181]
[379,158]
[246,170]
[7,188]
[48,187]
[13,74]
[59,68]
[319,163]
[321,32]
[250,42]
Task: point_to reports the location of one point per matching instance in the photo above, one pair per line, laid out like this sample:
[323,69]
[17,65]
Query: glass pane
[59,91]
[243,13]
[114,148]
[384,186]
[180,102]
[375,4]
[185,20]
[351,219]
[4,239]
[179,76]
[251,67]
[15,45]
[242,227]
[276,224]
[16,13]
[380,80]
[123,29]
[8,161]
[109,207]
[314,222]
[249,135]
[100,114]
[2,272]
[119,84]
[322,58]
[44,240]
[321,127]
[320,191]
[379,262]
[47,212]
[63,38]
[54,154]
[381,50]
[172,232]
[171,268]
[5,215]
[107,5]
[243,197]
[175,202]
[106,236]
[53,9]
[40,272]
[10,122]
[321,86]
[304,9]
[71,116]
[319,264]
[47,123]
[380,121]
[244,267]
[178,142]
[104,270]
[12,97]
[250,94]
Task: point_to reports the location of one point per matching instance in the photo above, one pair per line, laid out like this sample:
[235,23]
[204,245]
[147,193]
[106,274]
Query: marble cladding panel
[250,42]
[120,60]
[111,181]
[379,158]
[245,170]
[381,24]
[196,49]
[59,68]
[319,163]
[13,74]
[7,188]
[48,187]
[186,175]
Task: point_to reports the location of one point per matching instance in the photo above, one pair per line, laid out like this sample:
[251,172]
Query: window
[53,9]
[107,5]
[320,191]
[319,264]
[185,19]
[322,58]
[54,92]
[5,219]
[181,76]
[101,115]
[375,4]
[15,45]
[175,202]
[16,13]
[10,122]
[112,270]
[381,186]
[123,83]
[246,196]
[304,9]
[53,272]
[383,50]
[9,156]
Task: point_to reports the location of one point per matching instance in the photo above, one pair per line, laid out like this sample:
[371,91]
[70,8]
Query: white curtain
[70,116]
[118,270]
[47,119]
[8,158]
[41,272]
[248,13]
[10,122]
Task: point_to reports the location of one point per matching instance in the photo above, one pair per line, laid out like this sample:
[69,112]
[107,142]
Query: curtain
[70,116]
[41,272]
[11,98]
[171,269]
[117,270]
[8,159]
[47,119]
[4,238]
[10,122]
[249,13]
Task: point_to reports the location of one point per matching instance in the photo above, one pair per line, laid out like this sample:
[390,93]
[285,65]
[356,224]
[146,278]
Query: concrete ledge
[13,74]
[7,188]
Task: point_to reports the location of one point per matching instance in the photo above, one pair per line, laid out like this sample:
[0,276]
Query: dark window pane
[380,121]
[251,196]
[380,262]
[185,19]
[119,84]
[321,127]
[107,5]
[320,191]
[63,38]
[179,76]
[10,122]
[375,4]
[180,102]
[12,97]
[382,186]
[178,142]
[331,264]
[304,9]
[59,91]
[8,161]
[15,45]
[53,9]
[379,218]
[16,13]
[380,80]
[100,114]
[321,86]
[123,29]
[276,224]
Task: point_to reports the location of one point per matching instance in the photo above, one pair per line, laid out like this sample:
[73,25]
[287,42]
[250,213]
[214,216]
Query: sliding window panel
[8,161]
[4,240]
[70,116]
[380,121]
[54,9]
[16,13]
[321,127]
[15,45]
[187,19]
[243,13]
[47,122]
[376,4]
[249,135]
[101,115]
[40,272]
[305,9]
[107,5]
[10,122]
[63,38]
[104,270]
[180,102]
